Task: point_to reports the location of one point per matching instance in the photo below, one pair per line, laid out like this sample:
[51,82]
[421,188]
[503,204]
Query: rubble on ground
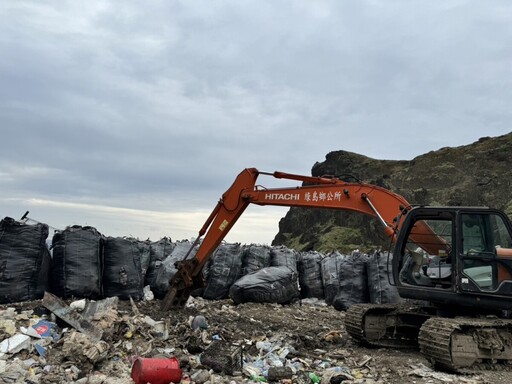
[86,313]
[214,342]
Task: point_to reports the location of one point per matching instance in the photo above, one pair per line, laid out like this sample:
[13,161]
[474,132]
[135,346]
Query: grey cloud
[139,104]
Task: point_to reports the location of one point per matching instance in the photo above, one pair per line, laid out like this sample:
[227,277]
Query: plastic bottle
[314,378]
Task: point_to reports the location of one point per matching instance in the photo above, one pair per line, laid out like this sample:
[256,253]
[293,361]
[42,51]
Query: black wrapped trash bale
[309,265]
[255,257]
[224,269]
[158,251]
[380,279]
[77,263]
[268,285]
[145,257]
[353,282]
[282,256]
[330,266]
[24,261]
[122,271]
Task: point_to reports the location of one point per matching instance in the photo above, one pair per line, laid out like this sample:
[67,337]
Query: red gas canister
[156,370]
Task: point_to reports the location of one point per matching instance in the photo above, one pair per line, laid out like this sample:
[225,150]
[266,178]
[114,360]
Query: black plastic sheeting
[77,263]
[24,261]
[353,282]
[224,270]
[255,257]
[268,285]
[380,279]
[122,269]
[309,265]
[167,268]
[158,251]
[282,256]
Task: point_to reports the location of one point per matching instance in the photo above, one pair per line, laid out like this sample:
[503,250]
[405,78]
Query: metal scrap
[70,316]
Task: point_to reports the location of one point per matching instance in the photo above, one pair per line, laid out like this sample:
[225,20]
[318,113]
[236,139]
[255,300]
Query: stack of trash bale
[83,263]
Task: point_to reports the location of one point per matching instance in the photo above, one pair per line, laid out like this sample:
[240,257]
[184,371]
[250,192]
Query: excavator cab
[465,258]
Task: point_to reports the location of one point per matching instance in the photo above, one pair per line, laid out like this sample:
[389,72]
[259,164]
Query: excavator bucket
[182,284]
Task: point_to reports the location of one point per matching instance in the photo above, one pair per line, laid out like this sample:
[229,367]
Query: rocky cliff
[479,174]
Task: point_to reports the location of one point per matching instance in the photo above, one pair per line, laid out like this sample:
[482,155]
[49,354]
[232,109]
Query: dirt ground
[307,337]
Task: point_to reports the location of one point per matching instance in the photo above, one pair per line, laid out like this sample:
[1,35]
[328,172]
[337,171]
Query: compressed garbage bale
[24,261]
[380,279]
[283,256]
[167,268]
[268,285]
[330,275]
[224,270]
[158,251]
[199,291]
[145,257]
[77,263]
[309,266]
[255,257]
[122,269]
[353,282]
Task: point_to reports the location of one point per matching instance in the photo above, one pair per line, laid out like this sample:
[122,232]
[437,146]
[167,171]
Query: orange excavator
[452,265]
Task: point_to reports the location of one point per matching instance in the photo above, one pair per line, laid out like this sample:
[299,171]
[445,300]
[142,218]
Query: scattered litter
[222,357]
[248,343]
[78,305]
[70,316]
[148,293]
[15,344]
[421,370]
[8,326]
[199,322]
[41,330]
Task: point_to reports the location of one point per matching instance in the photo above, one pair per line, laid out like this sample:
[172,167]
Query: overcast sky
[135,116]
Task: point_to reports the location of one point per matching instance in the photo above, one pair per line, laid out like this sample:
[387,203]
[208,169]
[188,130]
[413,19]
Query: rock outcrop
[478,174]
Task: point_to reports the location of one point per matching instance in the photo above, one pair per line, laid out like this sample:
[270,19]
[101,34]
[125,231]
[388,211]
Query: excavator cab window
[431,263]
[486,252]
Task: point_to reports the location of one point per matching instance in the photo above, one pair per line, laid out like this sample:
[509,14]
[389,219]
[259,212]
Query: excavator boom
[319,192]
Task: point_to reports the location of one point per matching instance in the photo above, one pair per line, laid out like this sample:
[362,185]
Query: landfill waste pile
[87,341]
[89,310]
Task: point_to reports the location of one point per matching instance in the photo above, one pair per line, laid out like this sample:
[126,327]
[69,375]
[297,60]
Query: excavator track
[465,345]
[354,321]
[386,325]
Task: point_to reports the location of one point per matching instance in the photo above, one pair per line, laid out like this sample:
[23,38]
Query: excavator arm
[319,192]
